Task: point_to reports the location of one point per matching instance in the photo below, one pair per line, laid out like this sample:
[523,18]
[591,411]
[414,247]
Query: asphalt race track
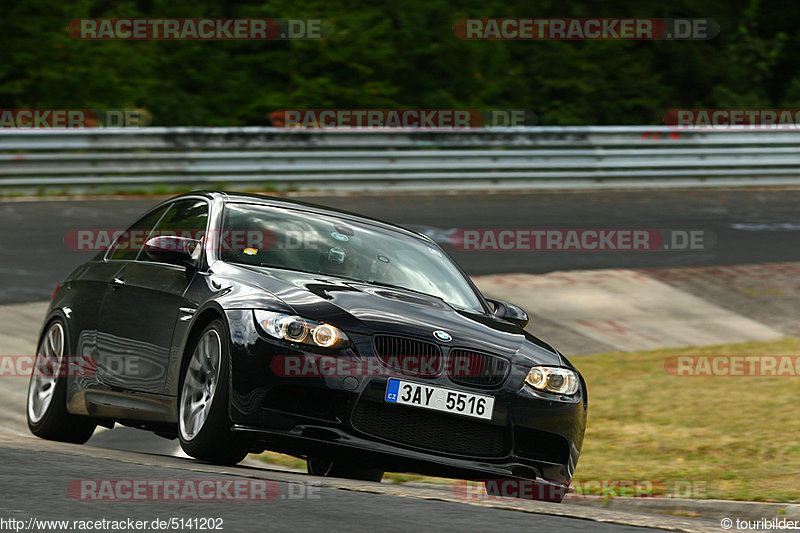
[293,509]
[757,226]
[740,227]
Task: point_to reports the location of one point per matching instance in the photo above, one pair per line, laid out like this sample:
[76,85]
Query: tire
[47,391]
[318,466]
[204,427]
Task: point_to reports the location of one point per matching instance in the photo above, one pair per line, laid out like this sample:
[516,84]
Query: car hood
[367,309]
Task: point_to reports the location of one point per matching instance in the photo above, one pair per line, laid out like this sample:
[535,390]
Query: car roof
[278,201]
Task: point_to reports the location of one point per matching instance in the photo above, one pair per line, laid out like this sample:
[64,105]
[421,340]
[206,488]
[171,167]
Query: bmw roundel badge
[442,335]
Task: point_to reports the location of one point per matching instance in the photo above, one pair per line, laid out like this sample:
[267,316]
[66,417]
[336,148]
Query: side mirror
[510,312]
[172,250]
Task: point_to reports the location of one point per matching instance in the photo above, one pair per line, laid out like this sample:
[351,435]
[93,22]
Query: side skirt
[124,406]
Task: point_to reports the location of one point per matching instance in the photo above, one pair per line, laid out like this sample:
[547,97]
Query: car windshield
[319,244]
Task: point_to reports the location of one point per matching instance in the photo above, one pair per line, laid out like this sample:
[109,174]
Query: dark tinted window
[128,245]
[185,218]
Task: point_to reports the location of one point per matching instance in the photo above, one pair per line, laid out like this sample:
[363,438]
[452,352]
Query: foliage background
[400,55]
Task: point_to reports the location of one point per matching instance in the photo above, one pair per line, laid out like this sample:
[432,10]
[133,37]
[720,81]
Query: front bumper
[531,435]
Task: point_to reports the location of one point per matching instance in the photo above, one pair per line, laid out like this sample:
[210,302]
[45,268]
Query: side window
[130,243]
[185,218]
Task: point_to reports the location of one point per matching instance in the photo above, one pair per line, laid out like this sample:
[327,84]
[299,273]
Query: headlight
[298,329]
[553,379]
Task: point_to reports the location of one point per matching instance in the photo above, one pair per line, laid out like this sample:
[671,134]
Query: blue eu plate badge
[391,390]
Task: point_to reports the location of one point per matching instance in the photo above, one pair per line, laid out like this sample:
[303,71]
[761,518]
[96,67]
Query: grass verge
[732,437]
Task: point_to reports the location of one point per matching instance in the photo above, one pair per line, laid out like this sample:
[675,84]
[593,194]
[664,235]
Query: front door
[142,306]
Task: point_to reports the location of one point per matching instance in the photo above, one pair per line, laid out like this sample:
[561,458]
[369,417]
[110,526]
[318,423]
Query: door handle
[117,283]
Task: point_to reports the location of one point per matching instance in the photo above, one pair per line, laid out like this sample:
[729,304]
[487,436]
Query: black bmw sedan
[238,323]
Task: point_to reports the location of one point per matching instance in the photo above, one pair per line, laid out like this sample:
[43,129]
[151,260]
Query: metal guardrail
[531,157]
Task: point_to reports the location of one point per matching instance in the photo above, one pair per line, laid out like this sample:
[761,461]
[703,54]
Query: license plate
[439,399]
